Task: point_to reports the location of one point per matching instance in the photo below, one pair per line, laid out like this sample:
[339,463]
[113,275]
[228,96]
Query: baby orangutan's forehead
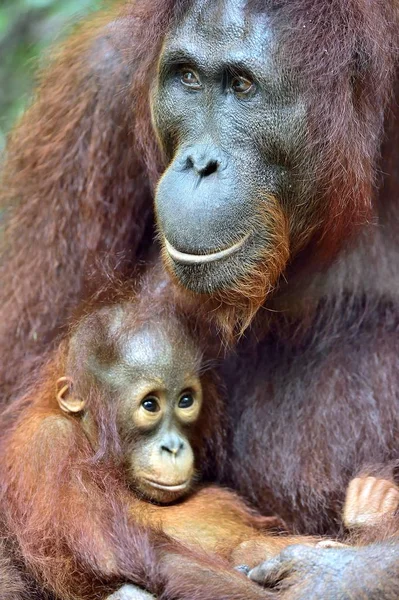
[159,350]
[113,348]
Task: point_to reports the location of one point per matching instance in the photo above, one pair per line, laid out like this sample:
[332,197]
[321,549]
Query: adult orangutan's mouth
[169,488]
[200,259]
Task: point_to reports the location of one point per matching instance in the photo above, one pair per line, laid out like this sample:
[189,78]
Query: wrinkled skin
[336,570]
[228,118]
[336,573]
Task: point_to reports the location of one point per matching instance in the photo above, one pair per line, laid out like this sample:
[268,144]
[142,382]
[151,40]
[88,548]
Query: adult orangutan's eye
[151,404]
[190,79]
[241,85]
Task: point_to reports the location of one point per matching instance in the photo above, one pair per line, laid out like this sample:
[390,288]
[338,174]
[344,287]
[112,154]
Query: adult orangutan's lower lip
[169,488]
[200,259]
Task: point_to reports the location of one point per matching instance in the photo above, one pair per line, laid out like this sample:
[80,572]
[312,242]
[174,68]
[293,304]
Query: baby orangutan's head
[150,374]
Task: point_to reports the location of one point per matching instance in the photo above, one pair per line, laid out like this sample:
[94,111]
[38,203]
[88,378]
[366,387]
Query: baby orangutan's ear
[66,398]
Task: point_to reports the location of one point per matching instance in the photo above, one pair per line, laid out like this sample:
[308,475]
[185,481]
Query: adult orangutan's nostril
[201,164]
[208,169]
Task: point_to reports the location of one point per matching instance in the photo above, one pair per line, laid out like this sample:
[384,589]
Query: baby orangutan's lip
[170,488]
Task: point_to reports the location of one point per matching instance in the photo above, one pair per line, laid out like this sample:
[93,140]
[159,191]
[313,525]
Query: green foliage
[27,27]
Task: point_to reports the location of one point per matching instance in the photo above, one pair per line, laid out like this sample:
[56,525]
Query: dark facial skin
[229,119]
[152,376]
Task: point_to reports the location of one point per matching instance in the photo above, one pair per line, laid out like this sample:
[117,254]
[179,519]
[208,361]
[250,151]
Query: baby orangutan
[102,459]
[150,381]
[164,403]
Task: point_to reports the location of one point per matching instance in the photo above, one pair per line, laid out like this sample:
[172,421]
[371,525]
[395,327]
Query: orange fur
[233,309]
[81,528]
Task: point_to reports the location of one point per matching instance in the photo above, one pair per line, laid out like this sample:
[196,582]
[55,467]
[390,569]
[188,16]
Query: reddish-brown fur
[315,386]
[82,163]
[79,528]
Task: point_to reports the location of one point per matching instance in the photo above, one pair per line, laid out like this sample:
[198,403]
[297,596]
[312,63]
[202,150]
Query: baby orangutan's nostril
[174,448]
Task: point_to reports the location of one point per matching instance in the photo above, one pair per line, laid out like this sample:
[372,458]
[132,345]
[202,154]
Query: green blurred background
[27,28]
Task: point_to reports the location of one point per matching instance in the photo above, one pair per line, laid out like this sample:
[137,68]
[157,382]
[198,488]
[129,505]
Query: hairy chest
[305,419]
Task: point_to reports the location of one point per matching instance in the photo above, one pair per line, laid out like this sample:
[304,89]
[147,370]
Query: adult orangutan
[268,122]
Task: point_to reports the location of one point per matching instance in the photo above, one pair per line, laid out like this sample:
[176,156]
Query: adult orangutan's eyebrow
[235,64]
[175,57]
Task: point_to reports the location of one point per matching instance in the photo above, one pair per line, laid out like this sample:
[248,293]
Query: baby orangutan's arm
[219,522]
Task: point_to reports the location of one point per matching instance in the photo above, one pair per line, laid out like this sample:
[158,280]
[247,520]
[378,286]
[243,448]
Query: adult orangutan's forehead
[221,26]
[218,17]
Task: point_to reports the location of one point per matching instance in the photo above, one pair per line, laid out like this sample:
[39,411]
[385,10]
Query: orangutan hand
[302,572]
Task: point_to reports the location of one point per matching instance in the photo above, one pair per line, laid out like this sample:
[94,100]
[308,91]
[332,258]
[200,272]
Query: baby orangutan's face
[152,374]
[160,458]
[160,403]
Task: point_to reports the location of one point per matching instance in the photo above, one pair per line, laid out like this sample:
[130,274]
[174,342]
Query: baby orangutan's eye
[186,400]
[151,404]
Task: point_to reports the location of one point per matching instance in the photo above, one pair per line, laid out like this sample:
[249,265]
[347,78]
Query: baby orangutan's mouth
[167,487]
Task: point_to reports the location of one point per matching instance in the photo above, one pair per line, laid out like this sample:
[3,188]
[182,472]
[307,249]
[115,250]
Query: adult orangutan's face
[230,122]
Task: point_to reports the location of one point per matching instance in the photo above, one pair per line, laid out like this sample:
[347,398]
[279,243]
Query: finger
[269,572]
[353,490]
[379,493]
[351,505]
[363,499]
[369,493]
[390,501]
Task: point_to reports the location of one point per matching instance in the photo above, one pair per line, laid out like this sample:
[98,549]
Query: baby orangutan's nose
[172,444]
